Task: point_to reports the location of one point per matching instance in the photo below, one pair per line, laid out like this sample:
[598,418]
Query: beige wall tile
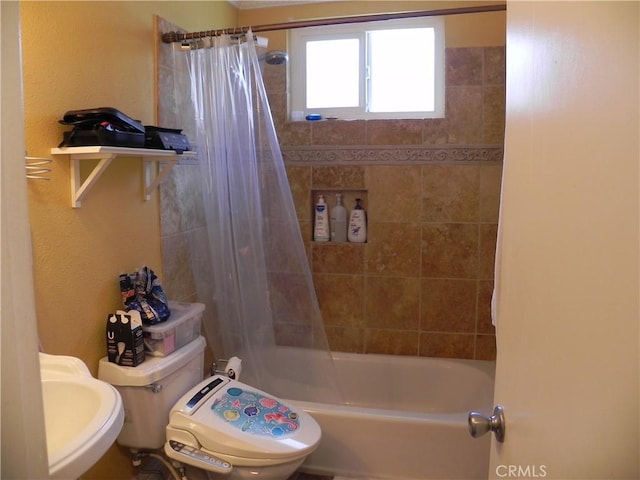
[464,111]
[167,104]
[180,200]
[294,133]
[338,177]
[485,347]
[392,342]
[393,249]
[338,132]
[450,193]
[275,78]
[495,66]
[394,132]
[329,257]
[171,218]
[487,250]
[300,185]
[435,131]
[448,305]
[490,183]
[345,339]
[494,114]
[394,193]
[291,335]
[178,282]
[341,299]
[291,300]
[450,250]
[392,302]
[278,104]
[446,345]
[306,230]
[464,66]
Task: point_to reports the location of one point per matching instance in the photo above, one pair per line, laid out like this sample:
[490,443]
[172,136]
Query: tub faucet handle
[480,424]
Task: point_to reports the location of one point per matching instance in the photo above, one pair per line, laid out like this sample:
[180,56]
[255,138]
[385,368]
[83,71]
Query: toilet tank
[150,390]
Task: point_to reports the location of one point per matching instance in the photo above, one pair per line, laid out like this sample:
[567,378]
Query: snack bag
[142,291]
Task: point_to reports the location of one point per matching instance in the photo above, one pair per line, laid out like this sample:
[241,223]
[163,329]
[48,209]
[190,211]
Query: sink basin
[83,415]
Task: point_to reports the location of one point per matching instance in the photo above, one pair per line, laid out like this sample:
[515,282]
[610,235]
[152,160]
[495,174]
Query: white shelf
[105,155]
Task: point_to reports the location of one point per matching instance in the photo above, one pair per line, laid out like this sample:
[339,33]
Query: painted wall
[83,55]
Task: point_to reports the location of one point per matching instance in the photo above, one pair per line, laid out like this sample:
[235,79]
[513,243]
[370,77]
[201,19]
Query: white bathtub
[405,418]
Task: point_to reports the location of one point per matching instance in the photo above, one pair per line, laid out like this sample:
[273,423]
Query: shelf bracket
[79,188]
[148,166]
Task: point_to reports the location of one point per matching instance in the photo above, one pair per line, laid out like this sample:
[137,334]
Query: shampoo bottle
[321,221]
[357,231]
[338,221]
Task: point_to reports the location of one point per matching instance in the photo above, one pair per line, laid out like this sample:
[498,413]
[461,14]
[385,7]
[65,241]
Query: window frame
[297,39]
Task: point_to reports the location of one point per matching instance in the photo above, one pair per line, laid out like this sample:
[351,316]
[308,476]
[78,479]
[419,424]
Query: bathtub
[403,418]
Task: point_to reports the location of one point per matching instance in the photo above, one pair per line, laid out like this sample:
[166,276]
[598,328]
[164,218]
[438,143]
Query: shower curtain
[262,290]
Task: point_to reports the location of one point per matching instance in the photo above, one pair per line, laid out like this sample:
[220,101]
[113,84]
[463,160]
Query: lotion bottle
[357,231]
[338,221]
[321,221]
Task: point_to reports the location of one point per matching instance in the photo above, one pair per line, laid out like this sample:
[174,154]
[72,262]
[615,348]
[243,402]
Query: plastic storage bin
[182,327]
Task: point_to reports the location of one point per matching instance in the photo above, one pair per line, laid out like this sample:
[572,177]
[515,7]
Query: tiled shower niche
[348,201]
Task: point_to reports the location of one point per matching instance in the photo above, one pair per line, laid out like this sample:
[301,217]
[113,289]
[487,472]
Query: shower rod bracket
[166,159]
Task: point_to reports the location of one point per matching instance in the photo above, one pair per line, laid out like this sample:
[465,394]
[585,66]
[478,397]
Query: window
[386,69]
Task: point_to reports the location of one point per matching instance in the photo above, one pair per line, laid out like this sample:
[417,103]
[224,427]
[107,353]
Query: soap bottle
[357,231]
[338,221]
[321,221]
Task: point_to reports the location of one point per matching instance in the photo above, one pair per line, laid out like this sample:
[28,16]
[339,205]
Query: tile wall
[422,283]
[185,257]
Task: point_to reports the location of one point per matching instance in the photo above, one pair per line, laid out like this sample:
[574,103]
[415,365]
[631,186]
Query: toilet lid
[232,418]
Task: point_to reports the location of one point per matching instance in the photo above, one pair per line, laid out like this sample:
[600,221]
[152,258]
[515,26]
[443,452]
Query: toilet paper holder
[228,367]
[215,370]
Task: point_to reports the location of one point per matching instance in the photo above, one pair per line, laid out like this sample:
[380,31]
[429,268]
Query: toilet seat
[241,423]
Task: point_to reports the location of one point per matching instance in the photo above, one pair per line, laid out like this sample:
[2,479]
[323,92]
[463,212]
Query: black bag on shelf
[103,126]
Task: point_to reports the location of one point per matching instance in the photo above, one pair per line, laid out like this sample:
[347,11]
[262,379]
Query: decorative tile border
[391,155]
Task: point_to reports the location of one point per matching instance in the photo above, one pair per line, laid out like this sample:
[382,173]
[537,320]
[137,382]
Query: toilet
[223,426]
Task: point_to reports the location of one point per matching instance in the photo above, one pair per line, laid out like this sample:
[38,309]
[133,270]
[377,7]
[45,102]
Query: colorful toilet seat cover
[255,414]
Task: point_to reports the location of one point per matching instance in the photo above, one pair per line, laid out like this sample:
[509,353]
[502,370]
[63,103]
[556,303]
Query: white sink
[83,415]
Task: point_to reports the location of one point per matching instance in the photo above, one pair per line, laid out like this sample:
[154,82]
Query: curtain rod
[171,37]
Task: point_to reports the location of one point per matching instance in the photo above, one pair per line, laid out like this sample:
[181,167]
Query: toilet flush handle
[154,387]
